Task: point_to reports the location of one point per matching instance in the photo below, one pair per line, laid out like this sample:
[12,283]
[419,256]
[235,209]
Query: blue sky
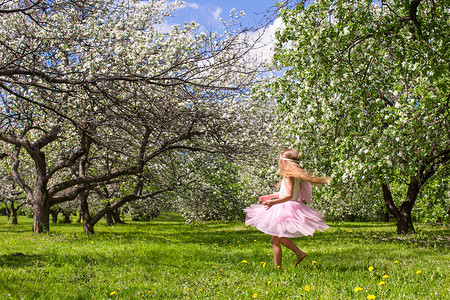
[207,13]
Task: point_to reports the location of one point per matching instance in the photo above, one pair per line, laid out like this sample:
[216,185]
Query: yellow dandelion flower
[396,262]
[385,276]
[255,296]
[371,297]
[307,288]
[244,261]
[370,268]
[112,293]
[92,242]
[118,289]
[314,262]
[269,282]
[200,290]
[264,265]
[357,289]
[381,283]
[418,272]
[149,292]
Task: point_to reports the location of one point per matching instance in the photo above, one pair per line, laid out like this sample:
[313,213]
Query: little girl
[283,215]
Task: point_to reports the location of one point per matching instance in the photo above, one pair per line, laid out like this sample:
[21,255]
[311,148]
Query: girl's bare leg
[290,245]
[277,252]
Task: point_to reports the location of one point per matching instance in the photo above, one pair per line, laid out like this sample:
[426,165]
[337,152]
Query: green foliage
[167,259]
[364,96]
[214,189]
[433,204]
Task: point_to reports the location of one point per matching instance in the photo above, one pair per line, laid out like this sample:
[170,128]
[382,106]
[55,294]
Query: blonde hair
[289,167]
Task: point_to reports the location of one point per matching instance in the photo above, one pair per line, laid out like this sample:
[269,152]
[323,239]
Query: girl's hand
[268,204]
[263,199]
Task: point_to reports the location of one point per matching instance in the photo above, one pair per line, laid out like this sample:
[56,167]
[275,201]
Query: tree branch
[15,172]
[125,200]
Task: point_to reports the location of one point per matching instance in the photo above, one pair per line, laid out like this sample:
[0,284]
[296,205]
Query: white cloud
[265,40]
[216,13]
[190,5]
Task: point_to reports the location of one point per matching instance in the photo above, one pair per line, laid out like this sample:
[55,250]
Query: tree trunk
[109,218]
[41,216]
[66,217]
[8,213]
[54,216]
[88,226]
[402,214]
[13,214]
[404,222]
[116,216]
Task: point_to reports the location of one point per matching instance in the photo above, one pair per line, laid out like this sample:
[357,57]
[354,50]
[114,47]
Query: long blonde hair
[289,167]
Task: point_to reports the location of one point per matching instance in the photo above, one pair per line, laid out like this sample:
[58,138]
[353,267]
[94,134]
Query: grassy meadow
[167,259]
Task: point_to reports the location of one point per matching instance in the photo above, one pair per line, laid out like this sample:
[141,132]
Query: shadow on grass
[18,259]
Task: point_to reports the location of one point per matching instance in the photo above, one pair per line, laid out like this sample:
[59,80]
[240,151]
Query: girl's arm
[268,197]
[289,182]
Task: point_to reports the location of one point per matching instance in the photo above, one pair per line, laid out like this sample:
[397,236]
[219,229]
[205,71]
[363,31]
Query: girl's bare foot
[300,257]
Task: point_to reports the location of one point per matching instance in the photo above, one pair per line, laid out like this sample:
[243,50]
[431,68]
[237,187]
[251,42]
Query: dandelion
[370,269]
[314,262]
[269,282]
[200,290]
[118,289]
[381,283]
[255,296]
[357,289]
[244,261]
[112,293]
[149,292]
[264,265]
[385,276]
[371,297]
[396,262]
[92,242]
[418,272]
[307,288]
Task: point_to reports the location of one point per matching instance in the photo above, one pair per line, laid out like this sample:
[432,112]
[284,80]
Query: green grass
[166,259]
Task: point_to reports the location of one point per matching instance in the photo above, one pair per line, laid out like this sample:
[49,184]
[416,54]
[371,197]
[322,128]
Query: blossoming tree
[365,95]
[94,92]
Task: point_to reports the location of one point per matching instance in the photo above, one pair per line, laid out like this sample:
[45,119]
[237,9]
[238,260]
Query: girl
[283,215]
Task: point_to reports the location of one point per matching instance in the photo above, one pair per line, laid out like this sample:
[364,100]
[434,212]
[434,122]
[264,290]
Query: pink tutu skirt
[288,219]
